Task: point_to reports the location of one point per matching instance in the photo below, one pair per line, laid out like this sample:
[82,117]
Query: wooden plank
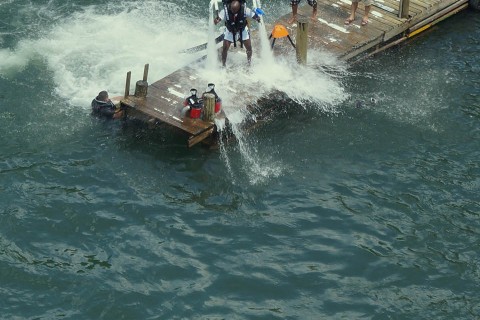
[151,107]
[440,15]
[193,140]
[376,14]
[435,8]
[395,5]
[423,5]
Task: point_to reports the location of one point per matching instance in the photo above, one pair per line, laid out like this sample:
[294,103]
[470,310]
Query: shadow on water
[138,135]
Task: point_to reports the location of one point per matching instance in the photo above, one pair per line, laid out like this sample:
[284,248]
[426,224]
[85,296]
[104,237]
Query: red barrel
[195,112]
[218,105]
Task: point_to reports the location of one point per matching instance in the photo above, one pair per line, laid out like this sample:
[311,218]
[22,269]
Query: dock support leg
[403,9]
[302,41]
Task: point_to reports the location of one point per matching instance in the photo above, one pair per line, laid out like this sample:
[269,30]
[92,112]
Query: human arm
[103,108]
[252,14]
[220,17]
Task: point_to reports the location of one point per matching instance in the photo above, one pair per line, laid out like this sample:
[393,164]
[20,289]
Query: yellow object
[279,31]
[411,34]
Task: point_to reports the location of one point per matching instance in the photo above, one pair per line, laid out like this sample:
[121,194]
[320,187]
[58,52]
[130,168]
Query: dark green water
[327,211]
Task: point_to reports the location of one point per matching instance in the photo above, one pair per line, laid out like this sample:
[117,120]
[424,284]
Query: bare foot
[313,17]
[292,19]
[349,20]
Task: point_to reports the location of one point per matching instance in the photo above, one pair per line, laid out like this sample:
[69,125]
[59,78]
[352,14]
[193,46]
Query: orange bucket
[279,31]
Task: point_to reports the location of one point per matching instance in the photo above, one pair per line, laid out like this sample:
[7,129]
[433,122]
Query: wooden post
[404,9]
[145,72]
[141,89]
[208,107]
[302,41]
[127,84]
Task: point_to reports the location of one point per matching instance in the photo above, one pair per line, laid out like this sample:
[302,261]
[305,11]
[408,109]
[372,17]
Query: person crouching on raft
[235,15]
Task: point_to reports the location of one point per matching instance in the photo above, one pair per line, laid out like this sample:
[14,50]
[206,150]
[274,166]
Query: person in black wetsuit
[102,106]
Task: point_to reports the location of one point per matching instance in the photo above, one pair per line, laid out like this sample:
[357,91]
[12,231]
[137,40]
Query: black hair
[102,95]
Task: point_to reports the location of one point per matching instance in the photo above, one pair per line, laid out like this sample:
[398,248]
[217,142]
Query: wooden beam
[193,140]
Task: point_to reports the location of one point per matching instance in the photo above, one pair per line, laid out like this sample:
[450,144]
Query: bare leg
[351,18]
[365,17]
[294,14]
[314,12]
[226,46]
[248,47]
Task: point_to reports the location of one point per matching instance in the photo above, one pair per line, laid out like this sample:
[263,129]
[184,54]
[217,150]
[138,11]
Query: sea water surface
[358,198]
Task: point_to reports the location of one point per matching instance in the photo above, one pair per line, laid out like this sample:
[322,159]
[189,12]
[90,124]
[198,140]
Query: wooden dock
[164,99]
[385,27]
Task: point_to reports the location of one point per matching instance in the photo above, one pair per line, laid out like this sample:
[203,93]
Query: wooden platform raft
[163,101]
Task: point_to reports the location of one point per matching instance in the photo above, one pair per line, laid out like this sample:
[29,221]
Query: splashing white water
[238,86]
[92,50]
[212,56]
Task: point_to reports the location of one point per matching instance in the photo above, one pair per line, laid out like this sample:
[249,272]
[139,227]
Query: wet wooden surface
[164,102]
[329,33]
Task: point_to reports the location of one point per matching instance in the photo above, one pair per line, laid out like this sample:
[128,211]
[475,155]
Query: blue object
[259,12]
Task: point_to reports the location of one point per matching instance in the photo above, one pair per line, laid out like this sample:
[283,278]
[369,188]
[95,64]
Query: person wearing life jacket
[235,15]
[104,107]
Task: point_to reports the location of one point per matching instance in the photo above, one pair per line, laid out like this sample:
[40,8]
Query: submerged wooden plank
[193,140]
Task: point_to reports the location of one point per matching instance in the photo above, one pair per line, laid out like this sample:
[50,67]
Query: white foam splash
[92,50]
[239,86]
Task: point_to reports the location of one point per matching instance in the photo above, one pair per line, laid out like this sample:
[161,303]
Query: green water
[335,208]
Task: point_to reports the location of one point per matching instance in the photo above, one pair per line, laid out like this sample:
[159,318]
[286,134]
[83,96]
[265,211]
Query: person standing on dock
[294,4]
[235,15]
[351,18]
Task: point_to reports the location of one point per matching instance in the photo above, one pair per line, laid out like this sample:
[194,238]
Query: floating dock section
[163,101]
